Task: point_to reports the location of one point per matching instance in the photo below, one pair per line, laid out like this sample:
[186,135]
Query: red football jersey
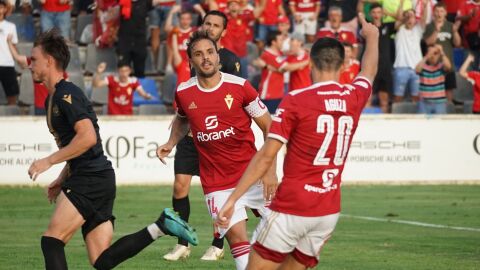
[247,15]
[120,96]
[475,79]
[183,72]
[236,37]
[269,15]
[182,39]
[305,5]
[348,74]
[318,122]
[271,82]
[299,78]
[466,8]
[343,35]
[220,121]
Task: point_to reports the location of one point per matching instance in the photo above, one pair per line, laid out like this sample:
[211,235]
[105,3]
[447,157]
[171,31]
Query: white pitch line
[414,223]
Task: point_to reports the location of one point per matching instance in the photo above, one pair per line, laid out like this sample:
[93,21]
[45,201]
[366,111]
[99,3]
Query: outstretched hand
[368,30]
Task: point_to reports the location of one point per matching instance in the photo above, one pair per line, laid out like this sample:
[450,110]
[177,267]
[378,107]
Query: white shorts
[306,26]
[253,199]
[280,234]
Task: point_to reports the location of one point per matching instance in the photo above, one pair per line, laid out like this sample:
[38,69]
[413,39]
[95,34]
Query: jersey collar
[210,89]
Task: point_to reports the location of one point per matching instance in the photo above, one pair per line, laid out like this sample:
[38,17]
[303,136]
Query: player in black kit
[84,192]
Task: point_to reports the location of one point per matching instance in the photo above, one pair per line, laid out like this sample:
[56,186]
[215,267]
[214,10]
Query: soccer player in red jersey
[318,122]
[120,89]
[219,108]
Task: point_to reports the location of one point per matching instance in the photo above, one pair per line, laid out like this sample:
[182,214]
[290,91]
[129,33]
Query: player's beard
[206,74]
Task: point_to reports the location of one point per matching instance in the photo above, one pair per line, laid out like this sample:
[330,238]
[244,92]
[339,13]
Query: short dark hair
[197,36]
[327,54]
[53,44]
[123,63]
[440,5]
[375,5]
[219,14]
[272,36]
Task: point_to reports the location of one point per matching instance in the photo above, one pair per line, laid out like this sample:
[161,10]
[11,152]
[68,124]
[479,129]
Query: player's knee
[54,233]
[180,188]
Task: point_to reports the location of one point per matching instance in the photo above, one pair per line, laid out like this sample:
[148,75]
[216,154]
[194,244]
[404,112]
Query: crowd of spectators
[422,42]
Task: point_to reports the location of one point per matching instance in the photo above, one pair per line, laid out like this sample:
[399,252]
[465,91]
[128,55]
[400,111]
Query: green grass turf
[356,244]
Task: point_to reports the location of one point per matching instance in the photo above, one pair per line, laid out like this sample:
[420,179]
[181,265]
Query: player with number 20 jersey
[317,123]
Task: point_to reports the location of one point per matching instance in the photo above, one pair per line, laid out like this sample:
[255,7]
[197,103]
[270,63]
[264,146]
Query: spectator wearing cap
[56,13]
[237,34]
[305,15]
[8,75]
[408,54]
[442,32]
[274,64]
[469,14]
[335,28]
[267,12]
[299,78]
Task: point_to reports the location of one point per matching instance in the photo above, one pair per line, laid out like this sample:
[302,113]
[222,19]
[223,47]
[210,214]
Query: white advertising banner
[385,148]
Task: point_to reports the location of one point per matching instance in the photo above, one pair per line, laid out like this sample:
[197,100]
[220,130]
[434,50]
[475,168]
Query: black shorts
[383,81]
[186,157]
[93,194]
[450,81]
[8,79]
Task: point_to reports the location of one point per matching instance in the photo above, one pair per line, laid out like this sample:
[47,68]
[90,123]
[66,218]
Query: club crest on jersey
[229,101]
[67,98]
[237,66]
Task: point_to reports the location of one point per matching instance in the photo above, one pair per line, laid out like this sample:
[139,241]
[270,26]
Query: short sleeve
[428,30]
[474,77]
[135,83]
[274,61]
[14,34]
[73,107]
[180,110]
[284,121]
[362,89]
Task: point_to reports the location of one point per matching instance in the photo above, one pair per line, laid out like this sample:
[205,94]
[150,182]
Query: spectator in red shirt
[184,30]
[351,66]
[469,14]
[301,77]
[452,9]
[305,14]
[120,88]
[237,34]
[274,64]
[56,13]
[180,64]
[335,30]
[474,77]
[248,11]
[269,11]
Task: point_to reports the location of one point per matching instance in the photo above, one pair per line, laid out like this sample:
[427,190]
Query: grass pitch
[356,243]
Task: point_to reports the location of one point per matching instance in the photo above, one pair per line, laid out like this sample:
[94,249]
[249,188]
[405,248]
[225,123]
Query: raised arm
[97,77]
[399,15]
[464,68]
[177,58]
[169,21]
[457,39]
[20,59]
[370,57]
